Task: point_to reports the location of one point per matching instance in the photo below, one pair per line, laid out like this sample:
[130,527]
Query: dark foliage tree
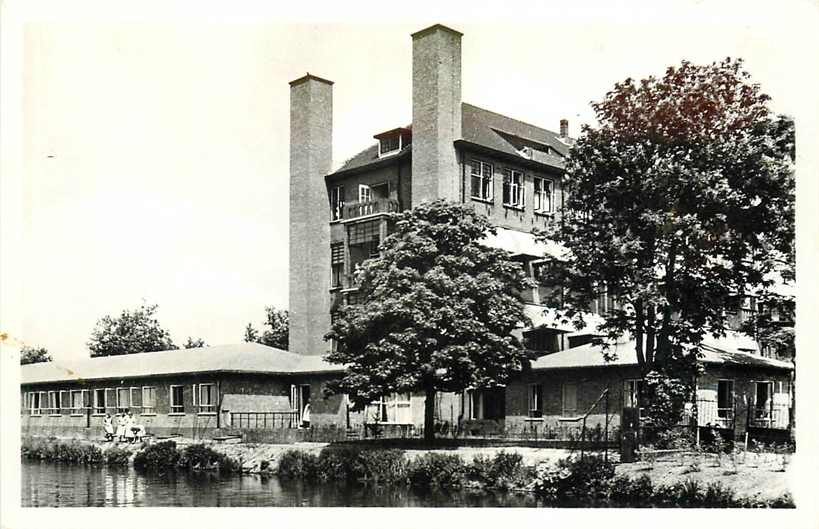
[435,314]
[33,355]
[275,331]
[680,199]
[193,343]
[133,331]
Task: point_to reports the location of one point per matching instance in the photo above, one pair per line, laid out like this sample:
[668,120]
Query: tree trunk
[638,334]
[429,415]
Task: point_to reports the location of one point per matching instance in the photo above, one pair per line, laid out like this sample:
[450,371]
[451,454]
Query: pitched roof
[236,358]
[487,129]
[727,350]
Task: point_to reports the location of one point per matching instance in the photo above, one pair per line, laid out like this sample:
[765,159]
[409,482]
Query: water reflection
[56,485]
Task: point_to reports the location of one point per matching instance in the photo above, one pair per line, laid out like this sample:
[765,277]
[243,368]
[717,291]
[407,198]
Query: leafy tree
[680,199]
[251,334]
[33,355]
[133,331]
[277,328]
[275,332]
[437,309]
[192,343]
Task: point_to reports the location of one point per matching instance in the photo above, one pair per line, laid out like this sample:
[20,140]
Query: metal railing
[774,416]
[709,413]
[262,420]
[361,209]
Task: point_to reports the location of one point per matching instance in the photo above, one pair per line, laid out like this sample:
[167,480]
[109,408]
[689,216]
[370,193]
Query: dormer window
[389,145]
[393,141]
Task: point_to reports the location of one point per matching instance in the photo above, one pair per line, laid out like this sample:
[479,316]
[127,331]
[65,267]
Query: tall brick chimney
[564,128]
[436,113]
[311,155]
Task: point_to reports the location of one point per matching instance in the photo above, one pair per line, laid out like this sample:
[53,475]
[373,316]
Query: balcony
[373,207]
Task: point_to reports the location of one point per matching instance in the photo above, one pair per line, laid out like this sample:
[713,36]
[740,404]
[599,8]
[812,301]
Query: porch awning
[522,243]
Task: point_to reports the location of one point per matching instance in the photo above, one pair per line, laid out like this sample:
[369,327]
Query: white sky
[154,154]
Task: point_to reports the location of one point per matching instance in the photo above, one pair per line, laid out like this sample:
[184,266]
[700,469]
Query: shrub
[675,439]
[632,492]
[201,457]
[381,466]
[504,471]
[298,464]
[117,457]
[717,495]
[73,452]
[571,481]
[159,457]
[433,470]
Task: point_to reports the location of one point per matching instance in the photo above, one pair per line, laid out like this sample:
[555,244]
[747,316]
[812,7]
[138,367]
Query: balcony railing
[361,209]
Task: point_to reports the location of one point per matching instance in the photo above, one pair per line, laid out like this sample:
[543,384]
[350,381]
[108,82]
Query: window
[337,202]
[123,400]
[389,145]
[543,195]
[99,401]
[535,400]
[725,399]
[395,408]
[148,400]
[481,173]
[76,402]
[487,403]
[632,393]
[35,403]
[207,398]
[569,399]
[365,193]
[53,402]
[763,400]
[513,191]
[176,396]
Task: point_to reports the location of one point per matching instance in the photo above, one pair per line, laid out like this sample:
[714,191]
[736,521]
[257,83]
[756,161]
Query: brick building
[506,169]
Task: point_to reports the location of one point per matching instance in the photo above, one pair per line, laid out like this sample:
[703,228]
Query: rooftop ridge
[504,116]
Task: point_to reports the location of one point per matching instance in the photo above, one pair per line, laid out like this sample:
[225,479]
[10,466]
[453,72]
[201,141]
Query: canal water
[47,484]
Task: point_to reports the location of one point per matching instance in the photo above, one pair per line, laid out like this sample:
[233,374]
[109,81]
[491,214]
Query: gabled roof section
[488,129]
[484,128]
[236,358]
[729,350]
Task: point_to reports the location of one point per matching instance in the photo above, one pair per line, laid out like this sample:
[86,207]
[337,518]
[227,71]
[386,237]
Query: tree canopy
[193,343]
[33,355]
[436,311]
[275,330]
[679,200]
[133,331]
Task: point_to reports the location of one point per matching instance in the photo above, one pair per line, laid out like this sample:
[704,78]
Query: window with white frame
[76,402]
[99,401]
[569,399]
[337,202]
[34,403]
[395,408]
[207,398]
[389,145]
[53,402]
[148,400]
[177,399]
[513,190]
[123,400]
[632,393]
[365,193]
[535,400]
[725,399]
[481,178]
[543,195]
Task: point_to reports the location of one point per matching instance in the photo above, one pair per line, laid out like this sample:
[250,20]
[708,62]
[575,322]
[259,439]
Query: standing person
[305,416]
[108,428]
[120,427]
[130,423]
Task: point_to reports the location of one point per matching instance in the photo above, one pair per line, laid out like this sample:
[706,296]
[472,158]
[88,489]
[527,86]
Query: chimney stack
[436,113]
[564,128]
[311,156]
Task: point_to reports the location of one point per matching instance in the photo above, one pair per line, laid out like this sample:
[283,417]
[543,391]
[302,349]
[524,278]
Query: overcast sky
[155,152]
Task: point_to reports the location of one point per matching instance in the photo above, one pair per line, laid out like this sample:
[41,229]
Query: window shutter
[195,396]
[24,402]
[86,399]
[110,398]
